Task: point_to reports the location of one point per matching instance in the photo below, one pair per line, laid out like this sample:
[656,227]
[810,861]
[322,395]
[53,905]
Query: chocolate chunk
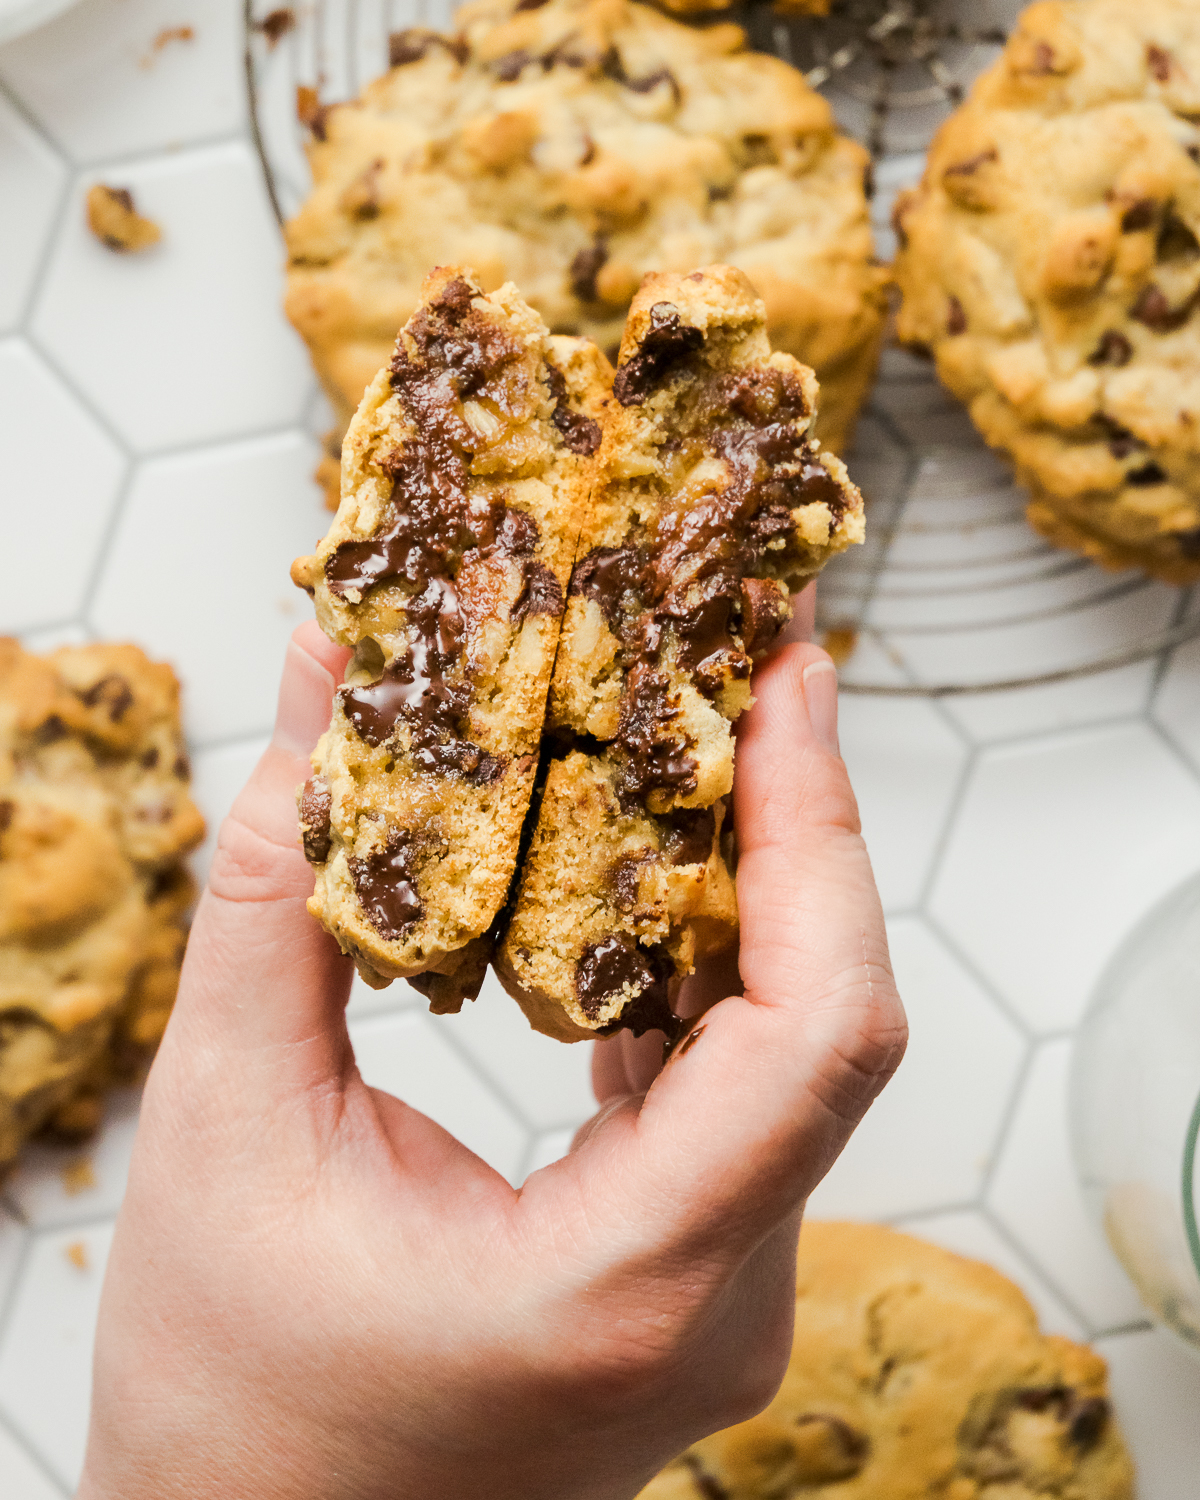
[7,809]
[49,731]
[653,759]
[149,758]
[585,267]
[540,595]
[665,343]
[579,433]
[617,965]
[1113,349]
[415,42]
[1153,309]
[1176,242]
[386,888]
[460,757]
[1147,475]
[688,835]
[315,830]
[1140,215]
[510,67]
[1159,62]
[607,575]
[624,877]
[765,611]
[111,692]
[956,317]
[1086,1422]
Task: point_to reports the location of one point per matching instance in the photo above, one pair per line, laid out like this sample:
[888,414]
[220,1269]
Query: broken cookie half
[465,475]
[711,504]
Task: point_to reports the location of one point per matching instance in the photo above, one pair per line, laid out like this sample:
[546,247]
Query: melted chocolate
[579,433]
[624,878]
[765,611]
[667,340]
[652,758]
[315,829]
[690,1040]
[585,267]
[605,970]
[689,835]
[606,575]
[386,888]
[1113,349]
[114,693]
[540,595]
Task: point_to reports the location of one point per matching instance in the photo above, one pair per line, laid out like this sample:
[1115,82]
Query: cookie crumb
[113,218]
[76,1253]
[276,24]
[78,1177]
[841,645]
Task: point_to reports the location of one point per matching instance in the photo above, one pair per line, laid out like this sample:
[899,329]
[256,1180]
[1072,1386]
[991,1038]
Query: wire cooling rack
[952,593]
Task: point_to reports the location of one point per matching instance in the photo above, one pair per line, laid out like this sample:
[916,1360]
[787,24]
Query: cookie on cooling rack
[572,147]
[711,503]
[1050,260]
[95,818]
[913,1373]
[465,475]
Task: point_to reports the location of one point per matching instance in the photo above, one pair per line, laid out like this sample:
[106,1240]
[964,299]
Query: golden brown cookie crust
[573,148]
[95,818]
[914,1372]
[464,478]
[1050,259]
[711,503]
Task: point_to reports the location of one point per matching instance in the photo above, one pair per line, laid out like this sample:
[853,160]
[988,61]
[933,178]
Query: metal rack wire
[952,593]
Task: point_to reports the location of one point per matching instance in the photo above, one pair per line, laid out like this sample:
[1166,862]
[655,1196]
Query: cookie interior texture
[95,818]
[914,1373]
[712,501]
[1050,259]
[572,148]
[465,472]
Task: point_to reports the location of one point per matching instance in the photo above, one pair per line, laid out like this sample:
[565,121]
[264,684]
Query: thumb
[261,979]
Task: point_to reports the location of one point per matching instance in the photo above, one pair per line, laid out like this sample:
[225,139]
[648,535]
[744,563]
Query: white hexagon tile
[1016,838]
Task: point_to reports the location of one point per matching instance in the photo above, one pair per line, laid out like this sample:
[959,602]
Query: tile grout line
[1028,1258]
[994,993]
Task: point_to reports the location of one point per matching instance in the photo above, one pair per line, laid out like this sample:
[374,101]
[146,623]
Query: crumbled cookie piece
[113,218]
[1050,259]
[712,502]
[95,818]
[465,475]
[572,148]
[914,1373]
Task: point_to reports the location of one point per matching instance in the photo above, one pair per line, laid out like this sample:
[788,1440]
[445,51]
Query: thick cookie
[95,819]
[1050,259]
[464,479]
[712,502]
[572,147]
[914,1373]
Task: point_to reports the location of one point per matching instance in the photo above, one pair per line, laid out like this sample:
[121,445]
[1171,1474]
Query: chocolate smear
[667,340]
[315,827]
[386,888]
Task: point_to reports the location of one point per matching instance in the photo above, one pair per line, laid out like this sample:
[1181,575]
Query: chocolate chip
[111,692]
[652,757]
[510,67]
[276,24]
[585,267]
[530,4]
[1146,476]
[149,758]
[667,340]
[652,80]
[1153,309]
[386,887]
[415,42]
[1087,1420]
[1188,541]
[49,731]
[182,767]
[830,1450]
[540,594]
[7,809]
[579,433]
[1113,349]
[624,877]
[315,829]
[1139,215]
[972,164]
[688,835]
[1194,153]
[710,1488]
[956,317]
[1159,62]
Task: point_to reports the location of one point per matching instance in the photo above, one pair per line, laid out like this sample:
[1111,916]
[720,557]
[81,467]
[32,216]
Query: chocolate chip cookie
[95,818]
[712,502]
[914,1373]
[1050,260]
[572,147]
[464,479]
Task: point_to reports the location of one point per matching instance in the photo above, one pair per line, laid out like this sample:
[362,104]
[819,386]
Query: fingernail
[820,696]
[305,694]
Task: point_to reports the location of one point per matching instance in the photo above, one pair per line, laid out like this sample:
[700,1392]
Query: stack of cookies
[572,147]
[95,820]
[516,518]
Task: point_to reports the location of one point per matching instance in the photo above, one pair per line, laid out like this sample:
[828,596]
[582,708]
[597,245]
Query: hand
[314,1291]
